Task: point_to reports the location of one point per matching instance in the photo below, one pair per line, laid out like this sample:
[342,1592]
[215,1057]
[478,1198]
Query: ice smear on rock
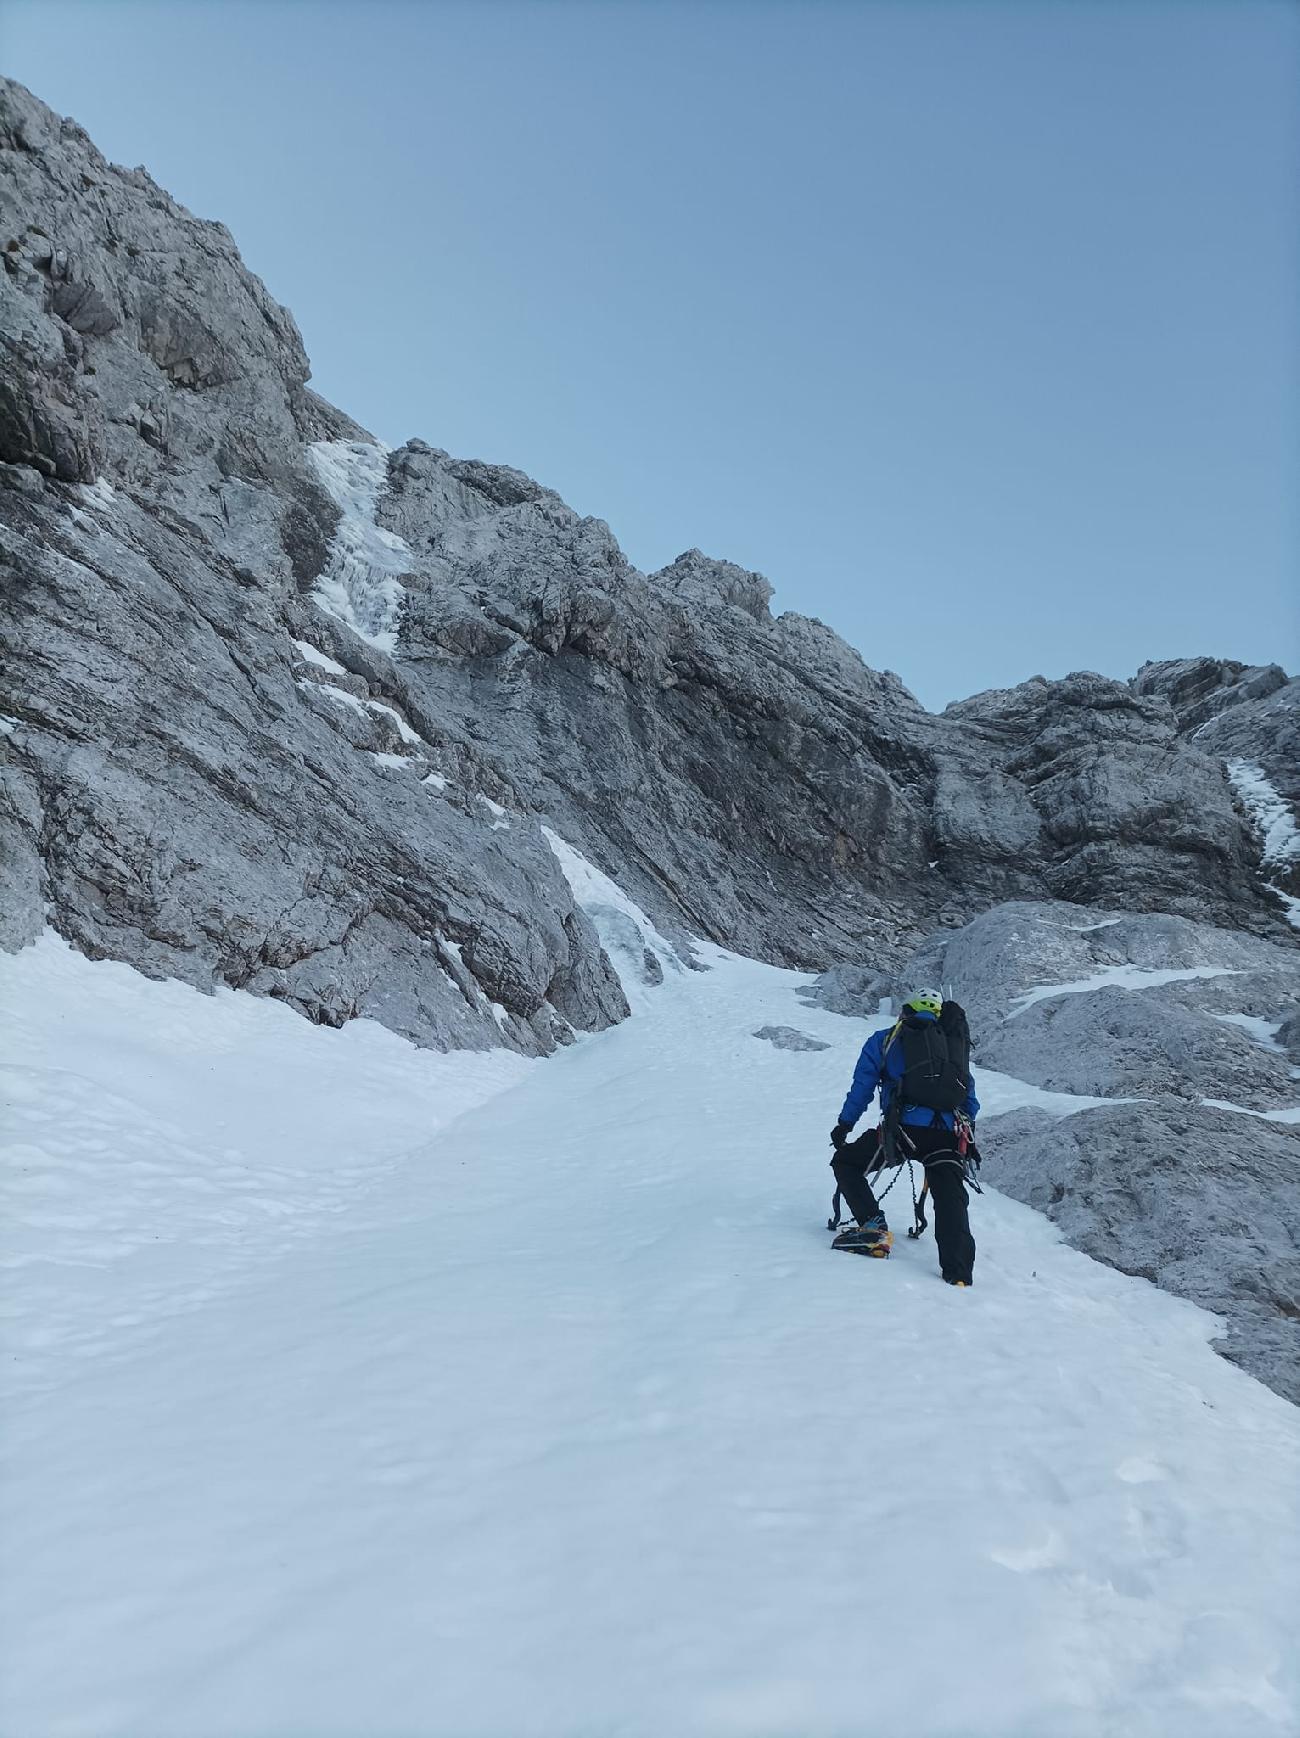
[1269,811]
[1290,1115]
[638,951]
[360,585]
[1272,815]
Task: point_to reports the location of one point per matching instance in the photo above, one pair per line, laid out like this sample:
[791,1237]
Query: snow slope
[329,1415]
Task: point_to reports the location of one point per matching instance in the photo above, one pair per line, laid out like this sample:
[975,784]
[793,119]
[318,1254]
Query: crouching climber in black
[927,1098]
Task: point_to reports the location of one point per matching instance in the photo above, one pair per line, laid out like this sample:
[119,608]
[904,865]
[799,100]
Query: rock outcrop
[1249,717]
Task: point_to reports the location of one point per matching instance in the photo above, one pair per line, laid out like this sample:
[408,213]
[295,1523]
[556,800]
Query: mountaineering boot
[872,1237]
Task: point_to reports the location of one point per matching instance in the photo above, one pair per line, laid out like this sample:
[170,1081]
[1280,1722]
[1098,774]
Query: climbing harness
[893,1134]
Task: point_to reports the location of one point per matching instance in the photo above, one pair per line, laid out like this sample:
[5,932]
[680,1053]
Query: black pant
[936,1150]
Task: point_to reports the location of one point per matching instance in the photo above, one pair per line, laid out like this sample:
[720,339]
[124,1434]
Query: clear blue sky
[973,326]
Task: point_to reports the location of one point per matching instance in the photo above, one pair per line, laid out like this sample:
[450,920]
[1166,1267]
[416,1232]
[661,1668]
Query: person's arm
[972,1104]
[866,1078]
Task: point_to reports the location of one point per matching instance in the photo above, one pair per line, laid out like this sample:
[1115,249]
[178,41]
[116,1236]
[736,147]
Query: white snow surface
[355,1390]
[1118,977]
[361,582]
[1292,905]
[340,696]
[1262,1031]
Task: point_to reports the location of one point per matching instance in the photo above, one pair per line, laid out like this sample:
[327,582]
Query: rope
[897,1174]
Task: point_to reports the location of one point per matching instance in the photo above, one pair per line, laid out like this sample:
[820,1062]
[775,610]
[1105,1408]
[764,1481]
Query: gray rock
[1242,714]
[1002,956]
[1114,1042]
[212,805]
[1199,689]
[856,991]
[1130,814]
[1199,1201]
[790,1038]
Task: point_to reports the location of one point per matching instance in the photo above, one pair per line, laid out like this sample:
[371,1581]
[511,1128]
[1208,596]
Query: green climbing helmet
[925,1002]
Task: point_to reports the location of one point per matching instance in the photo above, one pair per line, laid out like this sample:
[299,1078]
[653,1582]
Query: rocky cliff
[286,710]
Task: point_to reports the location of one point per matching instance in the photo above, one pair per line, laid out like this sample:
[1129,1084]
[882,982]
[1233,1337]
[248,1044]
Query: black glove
[839,1134]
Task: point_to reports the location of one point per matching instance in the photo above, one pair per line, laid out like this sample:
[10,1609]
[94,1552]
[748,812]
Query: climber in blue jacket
[921,1069]
[881,1065]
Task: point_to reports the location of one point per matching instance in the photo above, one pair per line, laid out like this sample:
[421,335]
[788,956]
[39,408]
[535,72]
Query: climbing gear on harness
[919,1220]
[871,1164]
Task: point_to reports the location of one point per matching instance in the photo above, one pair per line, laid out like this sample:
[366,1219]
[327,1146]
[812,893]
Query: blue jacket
[878,1067]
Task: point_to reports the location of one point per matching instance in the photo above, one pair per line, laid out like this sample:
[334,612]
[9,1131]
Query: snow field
[560,1417]
[157,1146]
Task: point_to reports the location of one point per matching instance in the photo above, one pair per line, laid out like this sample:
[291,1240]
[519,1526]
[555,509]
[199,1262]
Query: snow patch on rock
[637,950]
[1291,1115]
[1262,1031]
[1270,812]
[1120,977]
[313,655]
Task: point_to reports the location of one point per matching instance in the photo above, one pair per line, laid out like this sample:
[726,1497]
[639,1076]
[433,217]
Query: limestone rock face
[1200,689]
[188,784]
[1249,717]
[287,710]
[1127,811]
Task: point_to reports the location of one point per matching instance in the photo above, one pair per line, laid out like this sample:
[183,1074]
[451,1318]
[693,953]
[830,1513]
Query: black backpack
[936,1059]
